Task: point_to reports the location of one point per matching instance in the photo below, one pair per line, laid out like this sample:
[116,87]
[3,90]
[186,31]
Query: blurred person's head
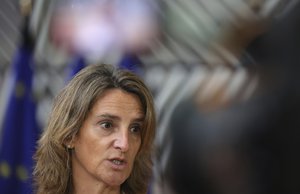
[99,27]
[221,150]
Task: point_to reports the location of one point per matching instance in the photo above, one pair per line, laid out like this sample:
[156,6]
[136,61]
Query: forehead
[118,100]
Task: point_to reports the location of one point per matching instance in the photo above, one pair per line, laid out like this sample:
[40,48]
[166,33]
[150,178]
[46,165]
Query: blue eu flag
[19,129]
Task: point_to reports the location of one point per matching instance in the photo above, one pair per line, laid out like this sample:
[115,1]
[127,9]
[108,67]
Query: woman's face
[109,139]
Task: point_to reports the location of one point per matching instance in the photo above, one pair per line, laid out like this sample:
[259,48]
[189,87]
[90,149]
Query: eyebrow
[114,117]
[109,116]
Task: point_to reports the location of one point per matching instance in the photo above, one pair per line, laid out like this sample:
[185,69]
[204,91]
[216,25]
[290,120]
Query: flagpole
[4,97]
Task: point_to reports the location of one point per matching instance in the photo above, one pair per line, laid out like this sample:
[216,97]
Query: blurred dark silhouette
[247,146]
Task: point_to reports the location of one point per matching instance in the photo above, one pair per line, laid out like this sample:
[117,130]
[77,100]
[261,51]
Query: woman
[99,135]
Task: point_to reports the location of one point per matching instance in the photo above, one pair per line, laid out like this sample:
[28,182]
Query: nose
[121,142]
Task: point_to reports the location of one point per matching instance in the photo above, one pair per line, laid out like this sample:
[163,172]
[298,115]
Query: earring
[68,157]
[69,147]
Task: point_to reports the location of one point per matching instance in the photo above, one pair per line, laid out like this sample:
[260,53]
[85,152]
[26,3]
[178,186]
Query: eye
[106,125]
[136,129]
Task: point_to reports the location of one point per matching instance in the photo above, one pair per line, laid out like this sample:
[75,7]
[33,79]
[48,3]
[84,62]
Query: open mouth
[118,162]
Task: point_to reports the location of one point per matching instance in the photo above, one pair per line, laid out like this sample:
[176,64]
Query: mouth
[118,163]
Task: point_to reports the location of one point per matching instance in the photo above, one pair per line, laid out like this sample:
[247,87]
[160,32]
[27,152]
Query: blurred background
[223,73]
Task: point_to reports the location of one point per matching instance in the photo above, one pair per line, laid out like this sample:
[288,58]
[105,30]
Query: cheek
[90,156]
[134,153]
[90,149]
[135,149]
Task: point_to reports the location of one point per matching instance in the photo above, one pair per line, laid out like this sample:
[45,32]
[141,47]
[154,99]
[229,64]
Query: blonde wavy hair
[52,172]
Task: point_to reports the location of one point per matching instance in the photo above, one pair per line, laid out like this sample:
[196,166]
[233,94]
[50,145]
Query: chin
[115,180]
